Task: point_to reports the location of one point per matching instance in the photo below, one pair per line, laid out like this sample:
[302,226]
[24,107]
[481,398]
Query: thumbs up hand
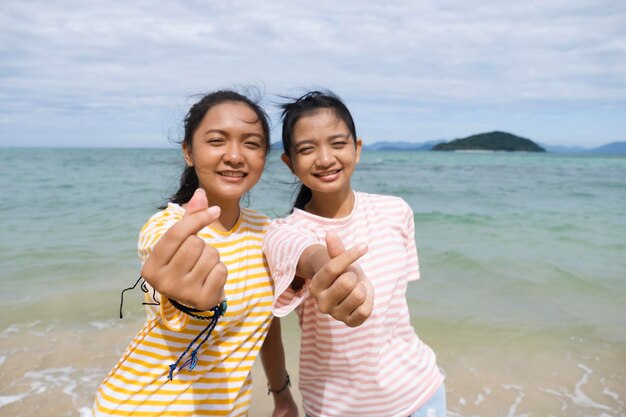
[340,287]
[182,266]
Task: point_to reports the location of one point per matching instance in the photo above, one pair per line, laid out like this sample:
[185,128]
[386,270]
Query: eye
[215,141]
[339,144]
[253,144]
[305,150]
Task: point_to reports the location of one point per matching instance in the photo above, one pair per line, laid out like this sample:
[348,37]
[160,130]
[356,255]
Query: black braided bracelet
[278,391]
[218,309]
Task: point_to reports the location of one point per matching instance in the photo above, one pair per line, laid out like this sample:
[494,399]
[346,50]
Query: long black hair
[189,179]
[304,106]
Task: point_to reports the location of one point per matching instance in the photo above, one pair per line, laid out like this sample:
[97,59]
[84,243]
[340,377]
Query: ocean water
[523,261]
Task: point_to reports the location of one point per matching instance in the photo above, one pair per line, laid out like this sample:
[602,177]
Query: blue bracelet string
[191,363]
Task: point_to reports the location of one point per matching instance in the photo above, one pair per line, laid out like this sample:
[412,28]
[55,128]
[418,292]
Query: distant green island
[491,141]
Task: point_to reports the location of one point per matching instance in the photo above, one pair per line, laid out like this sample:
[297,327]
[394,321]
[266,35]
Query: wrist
[218,310]
[319,257]
[279,390]
[282,399]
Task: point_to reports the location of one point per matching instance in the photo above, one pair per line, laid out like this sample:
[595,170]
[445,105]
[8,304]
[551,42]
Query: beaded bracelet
[278,391]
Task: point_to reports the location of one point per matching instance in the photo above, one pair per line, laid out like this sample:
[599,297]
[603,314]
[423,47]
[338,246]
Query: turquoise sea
[523,261]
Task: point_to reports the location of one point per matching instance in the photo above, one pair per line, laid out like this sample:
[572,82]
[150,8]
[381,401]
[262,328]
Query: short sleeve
[155,228]
[412,262]
[149,235]
[283,245]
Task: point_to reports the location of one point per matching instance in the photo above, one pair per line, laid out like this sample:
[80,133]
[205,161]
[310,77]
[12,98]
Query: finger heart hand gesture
[340,287]
[182,266]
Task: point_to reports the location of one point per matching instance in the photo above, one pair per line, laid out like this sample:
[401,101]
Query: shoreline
[53,368]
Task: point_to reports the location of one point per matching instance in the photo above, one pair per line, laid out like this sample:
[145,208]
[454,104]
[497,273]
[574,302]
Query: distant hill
[614,148]
[491,141]
[384,146]
[563,149]
[401,146]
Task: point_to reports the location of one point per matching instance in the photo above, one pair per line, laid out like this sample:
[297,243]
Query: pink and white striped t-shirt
[381,368]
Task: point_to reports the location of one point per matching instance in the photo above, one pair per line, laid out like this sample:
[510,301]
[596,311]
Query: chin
[326,188]
[228,194]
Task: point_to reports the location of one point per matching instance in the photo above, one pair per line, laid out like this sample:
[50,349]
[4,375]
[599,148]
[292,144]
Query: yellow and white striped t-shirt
[220,384]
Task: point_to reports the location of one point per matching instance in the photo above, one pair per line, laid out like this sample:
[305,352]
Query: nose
[233,155]
[325,157]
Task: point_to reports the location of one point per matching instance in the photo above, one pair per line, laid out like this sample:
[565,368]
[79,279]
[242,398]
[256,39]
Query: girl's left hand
[284,405]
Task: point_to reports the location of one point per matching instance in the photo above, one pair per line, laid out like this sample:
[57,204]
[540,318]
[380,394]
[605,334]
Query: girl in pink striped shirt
[359,355]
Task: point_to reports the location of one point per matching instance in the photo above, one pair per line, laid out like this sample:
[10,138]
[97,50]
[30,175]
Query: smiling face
[324,153]
[228,151]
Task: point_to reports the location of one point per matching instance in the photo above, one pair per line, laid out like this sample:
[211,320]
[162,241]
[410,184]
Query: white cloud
[105,59]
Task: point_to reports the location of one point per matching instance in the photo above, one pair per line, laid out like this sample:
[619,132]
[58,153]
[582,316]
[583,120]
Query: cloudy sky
[104,73]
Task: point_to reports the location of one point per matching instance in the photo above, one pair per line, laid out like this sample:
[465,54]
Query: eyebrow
[307,141]
[221,132]
[224,133]
[340,135]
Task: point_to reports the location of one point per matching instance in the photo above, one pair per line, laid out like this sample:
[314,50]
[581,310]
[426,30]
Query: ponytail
[188,185]
[304,196]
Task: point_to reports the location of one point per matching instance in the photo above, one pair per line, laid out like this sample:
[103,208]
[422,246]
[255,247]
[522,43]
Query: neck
[228,216]
[332,205]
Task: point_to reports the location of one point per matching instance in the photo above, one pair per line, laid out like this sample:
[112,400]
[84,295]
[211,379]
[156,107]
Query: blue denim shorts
[436,405]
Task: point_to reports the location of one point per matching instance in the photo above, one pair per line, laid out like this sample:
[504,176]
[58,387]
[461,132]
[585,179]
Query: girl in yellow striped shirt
[212,306]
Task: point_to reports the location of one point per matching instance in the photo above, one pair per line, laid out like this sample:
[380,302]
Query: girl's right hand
[340,287]
[182,266]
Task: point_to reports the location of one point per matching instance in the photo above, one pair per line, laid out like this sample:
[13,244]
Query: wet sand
[53,369]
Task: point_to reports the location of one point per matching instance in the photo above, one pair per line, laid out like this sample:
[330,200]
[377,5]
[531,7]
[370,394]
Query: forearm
[273,356]
[273,360]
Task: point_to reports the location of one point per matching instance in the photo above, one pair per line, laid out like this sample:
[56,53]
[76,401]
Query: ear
[287,161]
[187,155]
[359,146]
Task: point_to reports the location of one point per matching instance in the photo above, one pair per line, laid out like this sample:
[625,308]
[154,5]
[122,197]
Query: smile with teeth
[326,173]
[234,174]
